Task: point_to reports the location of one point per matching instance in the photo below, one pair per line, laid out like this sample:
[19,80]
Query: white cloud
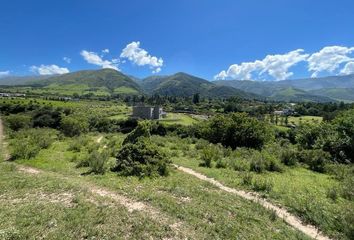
[94,58]
[4,73]
[329,59]
[276,66]
[105,50]
[49,69]
[141,57]
[348,69]
[67,60]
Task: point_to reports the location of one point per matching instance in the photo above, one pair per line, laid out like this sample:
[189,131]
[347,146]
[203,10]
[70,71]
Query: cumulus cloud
[4,73]
[276,66]
[328,59]
[67,60]
[348,69]
[94,58]
[49,69]
[141,57]
[105,50]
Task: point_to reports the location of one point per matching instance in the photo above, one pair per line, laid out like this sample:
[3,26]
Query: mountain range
[333,88]
[105,82]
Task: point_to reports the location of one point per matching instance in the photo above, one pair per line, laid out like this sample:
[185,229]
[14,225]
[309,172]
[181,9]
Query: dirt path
[3,152]
[99,139]
[131,205]
[292,220]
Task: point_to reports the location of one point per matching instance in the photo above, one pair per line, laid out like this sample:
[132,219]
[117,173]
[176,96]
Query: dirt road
[291,219]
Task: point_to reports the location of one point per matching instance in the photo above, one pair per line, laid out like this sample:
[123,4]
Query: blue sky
[264,40]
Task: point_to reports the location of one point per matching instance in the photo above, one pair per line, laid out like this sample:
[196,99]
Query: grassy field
[302,191]
[189,207]
[295,120]
[178,118]
[304,119]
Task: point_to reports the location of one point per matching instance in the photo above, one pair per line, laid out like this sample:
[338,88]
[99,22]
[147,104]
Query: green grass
[178,118]
[302,191]
[50,207]
[304,119]
[295,120]
[204,210]
[125,90]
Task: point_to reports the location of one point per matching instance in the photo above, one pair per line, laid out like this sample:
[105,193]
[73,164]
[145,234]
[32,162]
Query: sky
[224,39]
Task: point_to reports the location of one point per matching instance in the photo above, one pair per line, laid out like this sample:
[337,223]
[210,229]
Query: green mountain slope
[297,95]
[97,82]
[340,94]
[182,84]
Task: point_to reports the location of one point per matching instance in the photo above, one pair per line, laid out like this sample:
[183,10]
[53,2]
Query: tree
[236,130]
[18,121]
[141,158]
[141,131]
[196,98]
[307,135]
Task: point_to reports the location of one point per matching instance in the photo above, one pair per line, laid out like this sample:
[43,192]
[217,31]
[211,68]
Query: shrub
[47,117]
[265,185]
[221,163]
[74,125]
[77,143]
[27,143]
[272,163]
[240,164]
[141,158]
[315,159]
[246,178]
[332,193]
[25,149]
[97,161]
[257,165]
[141,131]
[18,121]
[347,189]
[289,157]
[236,130]
[158,129]
[307,135]
[210,154]
[102,124]
[201,144]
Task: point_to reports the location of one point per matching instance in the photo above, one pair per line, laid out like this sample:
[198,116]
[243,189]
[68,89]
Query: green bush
[209,155]
[236,130]
[257,165]
[347,189]
[27,143]
[246,178]
[221,163]
[74,125]
[77,143]
[315,159]
[264,185]
[141,131]
[332,193]
[201,144]
[97,161]
[18,121]
[240,164]
[141,158]
[307,135]
[289,157]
